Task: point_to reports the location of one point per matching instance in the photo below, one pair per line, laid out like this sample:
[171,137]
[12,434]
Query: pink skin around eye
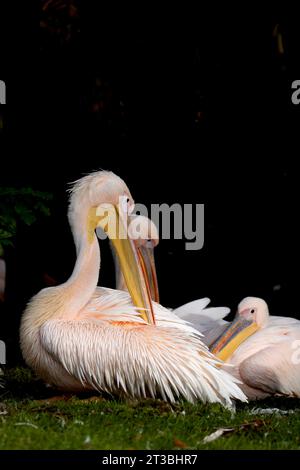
[247,313]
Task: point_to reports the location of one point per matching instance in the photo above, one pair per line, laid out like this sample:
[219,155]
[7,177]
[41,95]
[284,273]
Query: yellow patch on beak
[107,217]
[92,223]
[237,332]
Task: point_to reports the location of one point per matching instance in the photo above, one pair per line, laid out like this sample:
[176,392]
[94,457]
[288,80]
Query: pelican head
[145,235]
[143,231]
[102,200]
[252,315]
[94,191]
[255,310]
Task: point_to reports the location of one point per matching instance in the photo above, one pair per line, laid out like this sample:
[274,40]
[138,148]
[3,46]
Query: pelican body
[264,350]
[78,336]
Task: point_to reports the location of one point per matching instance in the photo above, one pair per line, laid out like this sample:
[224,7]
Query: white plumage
[268,361]
[78,336]
[207,320]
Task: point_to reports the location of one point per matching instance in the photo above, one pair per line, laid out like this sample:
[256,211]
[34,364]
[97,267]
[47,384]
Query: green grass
[95,422]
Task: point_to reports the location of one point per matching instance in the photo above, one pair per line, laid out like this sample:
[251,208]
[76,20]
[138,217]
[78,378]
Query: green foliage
[20,205]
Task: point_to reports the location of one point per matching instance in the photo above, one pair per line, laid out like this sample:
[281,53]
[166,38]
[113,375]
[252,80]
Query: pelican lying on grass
[261,348]
[264,350]
[77,336]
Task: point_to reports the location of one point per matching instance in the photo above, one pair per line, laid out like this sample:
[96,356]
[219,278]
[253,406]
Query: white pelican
[264,350]
[77,336]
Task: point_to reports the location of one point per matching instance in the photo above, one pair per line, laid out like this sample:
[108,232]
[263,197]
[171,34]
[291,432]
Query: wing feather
[138,361]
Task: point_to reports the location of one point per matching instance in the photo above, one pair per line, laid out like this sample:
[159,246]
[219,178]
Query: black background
[186,106]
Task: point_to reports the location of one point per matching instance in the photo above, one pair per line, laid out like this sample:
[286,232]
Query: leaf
[27,424]
[20,192]
[8,223]
[7,242]
[257,423]
[215,435]
[26,215]
[5,234]
[41,207]
[20,205]
[179,443]
[270,411]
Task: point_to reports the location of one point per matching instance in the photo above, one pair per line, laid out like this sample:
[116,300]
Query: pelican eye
[148,243]
[252,310]
[125,204]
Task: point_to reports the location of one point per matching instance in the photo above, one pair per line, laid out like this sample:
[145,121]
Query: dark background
[188,107]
